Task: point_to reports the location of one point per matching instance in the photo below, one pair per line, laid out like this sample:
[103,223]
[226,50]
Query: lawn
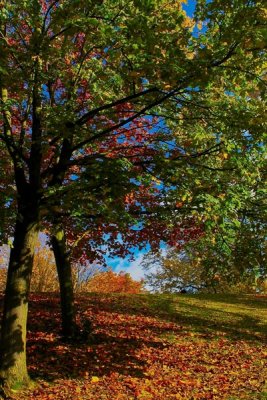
[150,347]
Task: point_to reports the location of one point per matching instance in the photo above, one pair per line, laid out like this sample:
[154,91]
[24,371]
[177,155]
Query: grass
[151,347]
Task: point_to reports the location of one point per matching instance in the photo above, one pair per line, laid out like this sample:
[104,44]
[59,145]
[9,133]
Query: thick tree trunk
[13,368]
[63,264]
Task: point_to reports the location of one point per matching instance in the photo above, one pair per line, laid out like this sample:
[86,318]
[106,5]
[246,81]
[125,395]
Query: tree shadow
[110,349]
[247,300]
[122,327]
[200,317]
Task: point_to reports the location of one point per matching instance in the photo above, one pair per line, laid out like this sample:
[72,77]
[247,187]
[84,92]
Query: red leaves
[135,354]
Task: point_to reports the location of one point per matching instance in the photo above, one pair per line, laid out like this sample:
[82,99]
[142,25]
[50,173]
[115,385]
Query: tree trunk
[13,368]
[63,264]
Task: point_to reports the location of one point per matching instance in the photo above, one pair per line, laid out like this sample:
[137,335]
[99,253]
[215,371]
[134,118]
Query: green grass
[233,315]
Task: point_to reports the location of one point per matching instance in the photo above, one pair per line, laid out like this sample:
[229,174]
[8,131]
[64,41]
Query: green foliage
[174,272]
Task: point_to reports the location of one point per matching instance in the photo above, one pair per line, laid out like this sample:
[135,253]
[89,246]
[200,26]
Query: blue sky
[189,7]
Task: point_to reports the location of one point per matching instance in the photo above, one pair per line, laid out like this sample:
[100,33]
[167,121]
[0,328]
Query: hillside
[150,347]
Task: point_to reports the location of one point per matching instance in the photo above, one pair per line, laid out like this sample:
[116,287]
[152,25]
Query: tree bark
[13,368]
[63,264]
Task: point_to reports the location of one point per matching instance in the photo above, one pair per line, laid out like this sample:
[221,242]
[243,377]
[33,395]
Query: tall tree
[81,80]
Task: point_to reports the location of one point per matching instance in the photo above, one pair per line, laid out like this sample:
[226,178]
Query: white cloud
[134,268]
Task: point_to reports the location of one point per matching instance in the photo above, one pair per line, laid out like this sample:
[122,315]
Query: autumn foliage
[44,278]
[110,282]
[88,278]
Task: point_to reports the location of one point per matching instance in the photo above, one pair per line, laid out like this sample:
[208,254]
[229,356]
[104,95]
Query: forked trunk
[13,368]
[63,264]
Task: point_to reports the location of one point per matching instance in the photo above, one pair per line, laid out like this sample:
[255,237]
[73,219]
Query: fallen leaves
[141,356]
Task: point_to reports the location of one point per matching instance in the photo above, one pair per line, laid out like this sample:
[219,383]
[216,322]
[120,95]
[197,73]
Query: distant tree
[2,279]
[111,282]
[82,273]
[210,264]
[175,271]
[44,278]
[44,269]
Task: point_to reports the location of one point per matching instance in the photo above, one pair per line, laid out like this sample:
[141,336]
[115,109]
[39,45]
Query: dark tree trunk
[13,368]
[63,264]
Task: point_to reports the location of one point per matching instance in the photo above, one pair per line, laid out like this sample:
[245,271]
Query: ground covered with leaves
[150,347]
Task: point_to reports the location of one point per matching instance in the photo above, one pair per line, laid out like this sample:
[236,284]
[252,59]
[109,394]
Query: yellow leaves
[186,196]
[156,180]
[94,379]
[224,156]
[134,74]
[263,13]
[187,23]
[167,87]
[145,395]
[163,52]
[190,56]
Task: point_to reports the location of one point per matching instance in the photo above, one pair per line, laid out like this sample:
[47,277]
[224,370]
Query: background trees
[230,252]
[44,277]
[110,282]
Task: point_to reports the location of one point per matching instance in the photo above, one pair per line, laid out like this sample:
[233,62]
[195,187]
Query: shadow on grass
[112,349]
[115,345]
[238,319]
[246,300]
[235,322]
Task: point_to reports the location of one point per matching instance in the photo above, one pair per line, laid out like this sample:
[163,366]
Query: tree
[44,276]
[88,88]
[83,273]
[111,282]
[173,271]
[230,252]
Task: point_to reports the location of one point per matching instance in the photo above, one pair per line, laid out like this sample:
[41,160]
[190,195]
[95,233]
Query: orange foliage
[3,272]
[44,275]
[110,282]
